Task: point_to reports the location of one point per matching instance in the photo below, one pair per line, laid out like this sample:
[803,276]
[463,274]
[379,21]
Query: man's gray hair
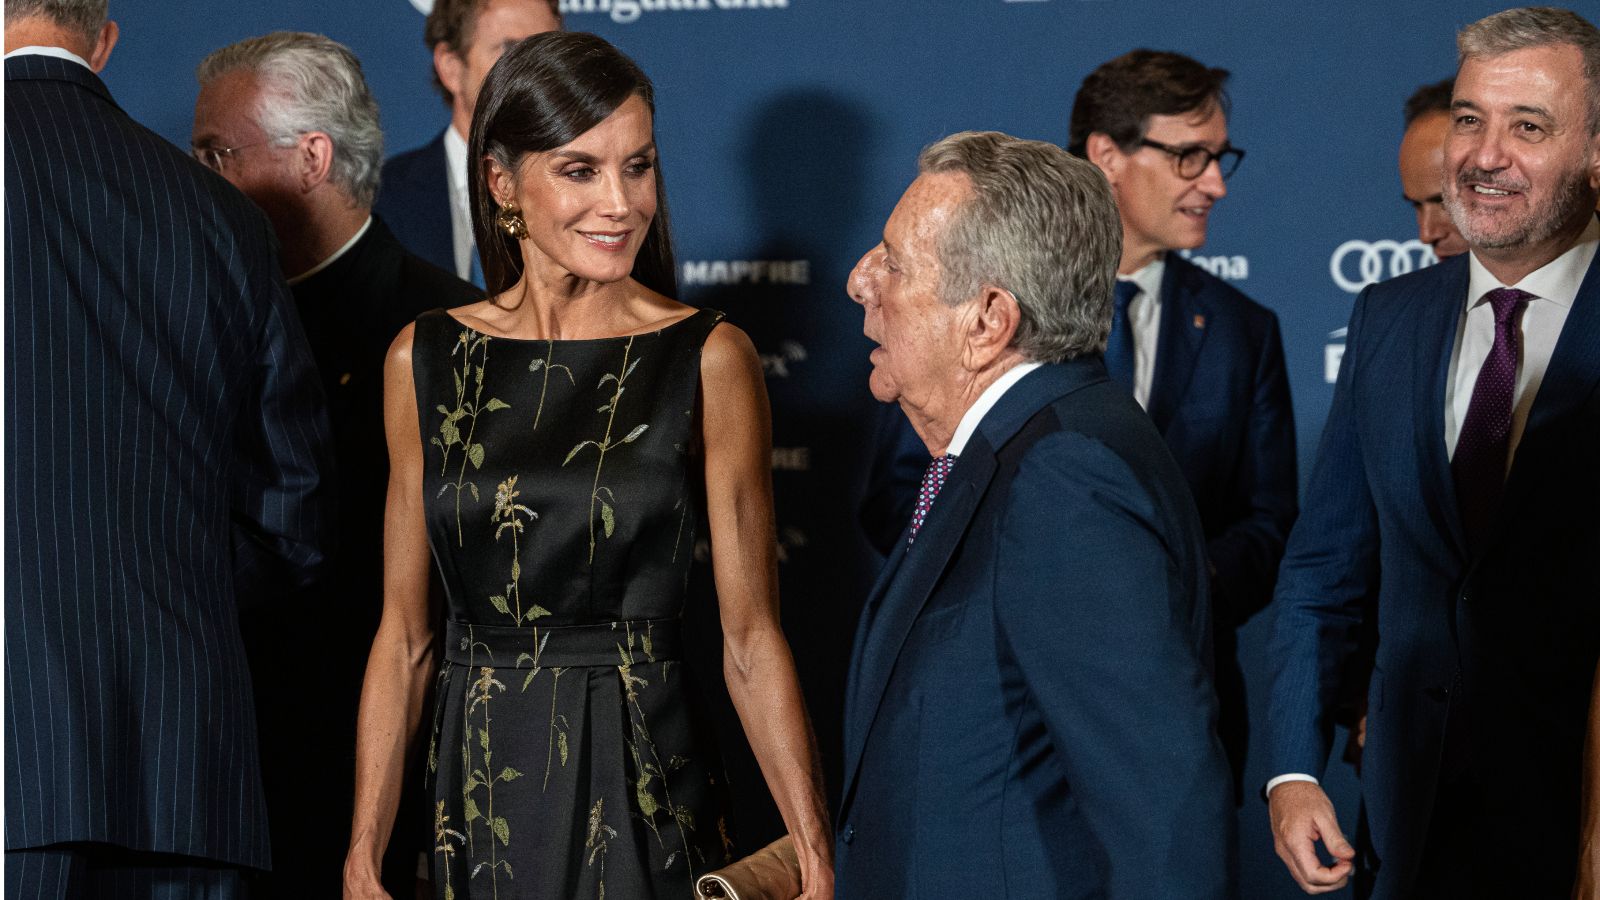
[311,83]
[1537,26]
[1040,223]
[86,16]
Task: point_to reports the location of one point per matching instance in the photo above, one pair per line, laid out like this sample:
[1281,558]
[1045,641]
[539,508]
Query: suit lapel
[914,571]
[1438,322]
[1182,331]
[1573,374]
[904,588]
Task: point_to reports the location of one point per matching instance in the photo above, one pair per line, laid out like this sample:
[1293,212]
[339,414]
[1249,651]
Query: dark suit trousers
[1459,864]
[89,871]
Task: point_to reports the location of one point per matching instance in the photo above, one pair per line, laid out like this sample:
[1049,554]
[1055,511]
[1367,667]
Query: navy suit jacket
[1220,397]
[414,200]
[160,398]
[1030,710]
[1511,633]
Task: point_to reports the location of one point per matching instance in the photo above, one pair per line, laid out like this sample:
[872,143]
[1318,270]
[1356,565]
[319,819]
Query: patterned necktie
[1119,346]
[1479,465]
[932,481]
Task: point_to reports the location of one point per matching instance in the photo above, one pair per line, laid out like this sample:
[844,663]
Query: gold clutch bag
[771,873]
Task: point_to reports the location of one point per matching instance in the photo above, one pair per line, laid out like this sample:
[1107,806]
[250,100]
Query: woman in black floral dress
[547,446]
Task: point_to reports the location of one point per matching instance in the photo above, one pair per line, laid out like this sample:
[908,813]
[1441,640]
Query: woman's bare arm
[1588,886]
[757,663]
[402,659]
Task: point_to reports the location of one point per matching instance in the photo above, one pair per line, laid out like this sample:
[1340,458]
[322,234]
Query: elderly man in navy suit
[1202,358]
[1030,710]
[1453,503]
[424,197]
[160,399]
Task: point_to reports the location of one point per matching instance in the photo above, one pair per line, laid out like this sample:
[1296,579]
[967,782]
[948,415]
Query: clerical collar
[336,254]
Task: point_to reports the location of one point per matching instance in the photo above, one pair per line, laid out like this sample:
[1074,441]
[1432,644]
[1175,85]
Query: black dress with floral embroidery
[568,758]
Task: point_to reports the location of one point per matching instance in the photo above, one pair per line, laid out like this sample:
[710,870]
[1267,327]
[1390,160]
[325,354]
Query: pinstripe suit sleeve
[284,505]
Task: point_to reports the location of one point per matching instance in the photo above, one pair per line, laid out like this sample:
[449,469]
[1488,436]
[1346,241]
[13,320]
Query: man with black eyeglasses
[1204,360]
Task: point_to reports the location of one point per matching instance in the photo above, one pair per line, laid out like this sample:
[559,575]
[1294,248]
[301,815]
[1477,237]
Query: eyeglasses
[213,158]
[1192,160]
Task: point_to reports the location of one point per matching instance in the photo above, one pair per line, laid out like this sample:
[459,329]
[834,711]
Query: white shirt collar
[336,254]
[455,160]
[57,52]
[1557,280]
[1148,277]
[986,401]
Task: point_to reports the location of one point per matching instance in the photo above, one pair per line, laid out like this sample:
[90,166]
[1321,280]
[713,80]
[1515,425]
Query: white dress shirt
[57,52]
[985,402]
[1554,287]
[455,162]
[1144,317]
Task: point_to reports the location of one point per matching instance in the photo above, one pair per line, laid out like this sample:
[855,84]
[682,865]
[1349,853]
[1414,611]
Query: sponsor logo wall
[788,128]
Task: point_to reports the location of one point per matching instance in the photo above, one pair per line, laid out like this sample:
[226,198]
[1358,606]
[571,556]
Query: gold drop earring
[509,218]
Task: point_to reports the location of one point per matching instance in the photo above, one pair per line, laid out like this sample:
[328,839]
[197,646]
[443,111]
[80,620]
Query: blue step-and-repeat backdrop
[788,128]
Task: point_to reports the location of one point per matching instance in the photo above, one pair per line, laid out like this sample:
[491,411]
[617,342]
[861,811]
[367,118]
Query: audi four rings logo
[1358,263]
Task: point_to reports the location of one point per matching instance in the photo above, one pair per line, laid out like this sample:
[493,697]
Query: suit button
[849,834]
[1437,694]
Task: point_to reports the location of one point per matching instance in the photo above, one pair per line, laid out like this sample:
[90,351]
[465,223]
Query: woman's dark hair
[543,93]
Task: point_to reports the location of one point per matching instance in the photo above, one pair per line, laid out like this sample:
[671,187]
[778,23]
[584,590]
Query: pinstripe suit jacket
[163,425]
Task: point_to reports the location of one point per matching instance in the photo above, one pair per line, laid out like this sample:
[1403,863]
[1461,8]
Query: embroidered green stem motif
[647,764]
[450,436]
[443,835]
[599,833]
[557,734]
[508,515]
[558,730]
[608,516]
[547,365]
[500,830]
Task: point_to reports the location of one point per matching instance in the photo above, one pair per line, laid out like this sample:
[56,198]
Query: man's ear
[1101,150]
[1594,162]
[449,67]
[315,156]
[994,325]
[104,43]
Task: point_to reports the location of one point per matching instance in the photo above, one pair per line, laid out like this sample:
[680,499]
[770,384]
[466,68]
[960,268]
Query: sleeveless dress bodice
[568,756]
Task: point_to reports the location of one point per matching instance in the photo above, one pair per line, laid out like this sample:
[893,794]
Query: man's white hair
[311,83]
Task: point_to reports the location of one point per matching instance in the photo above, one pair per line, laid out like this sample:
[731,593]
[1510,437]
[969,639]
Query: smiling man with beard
[1453,503]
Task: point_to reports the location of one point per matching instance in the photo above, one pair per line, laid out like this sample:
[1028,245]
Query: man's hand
[1302,814]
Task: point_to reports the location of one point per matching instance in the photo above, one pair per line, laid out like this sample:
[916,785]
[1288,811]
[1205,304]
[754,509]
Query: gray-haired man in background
[288,119]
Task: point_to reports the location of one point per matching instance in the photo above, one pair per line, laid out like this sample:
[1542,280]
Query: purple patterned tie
[1479,465]
[932,481]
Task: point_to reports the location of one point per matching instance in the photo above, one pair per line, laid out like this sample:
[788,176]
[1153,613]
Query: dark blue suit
[414,201]
[1220,397]
[160,399]
[1484,661]
[1030,710]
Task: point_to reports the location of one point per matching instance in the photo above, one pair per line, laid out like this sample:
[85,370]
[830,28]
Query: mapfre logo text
[1356,264]
[747,271]
[624,11]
